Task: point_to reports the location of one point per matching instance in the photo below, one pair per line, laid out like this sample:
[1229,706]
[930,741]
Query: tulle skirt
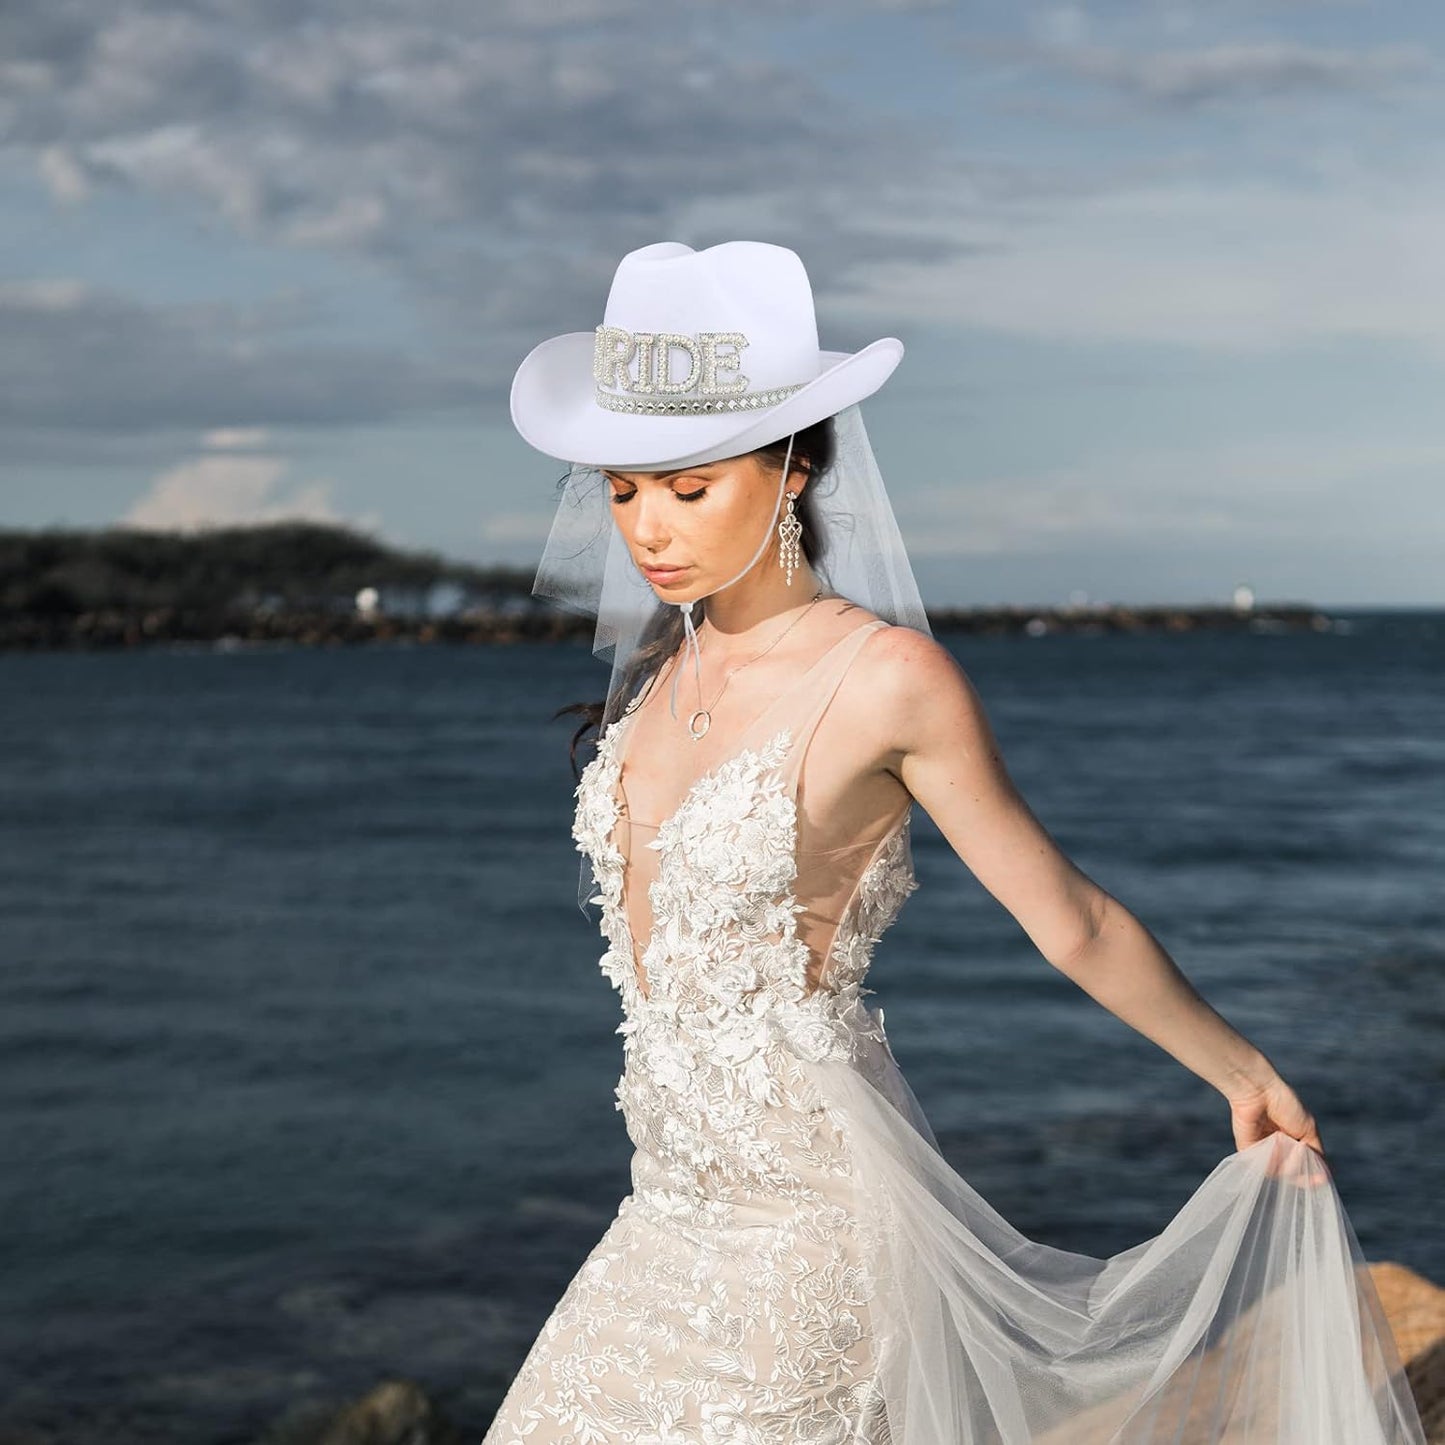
[1250,1319]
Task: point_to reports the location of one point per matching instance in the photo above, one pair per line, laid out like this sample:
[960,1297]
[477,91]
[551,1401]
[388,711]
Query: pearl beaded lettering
[652,389]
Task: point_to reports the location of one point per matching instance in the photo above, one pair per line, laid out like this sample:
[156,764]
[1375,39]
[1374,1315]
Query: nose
[649,525]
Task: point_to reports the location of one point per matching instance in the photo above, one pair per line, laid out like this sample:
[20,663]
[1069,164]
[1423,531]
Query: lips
[661,574]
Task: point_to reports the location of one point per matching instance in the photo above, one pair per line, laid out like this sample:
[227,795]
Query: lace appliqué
[727,1304]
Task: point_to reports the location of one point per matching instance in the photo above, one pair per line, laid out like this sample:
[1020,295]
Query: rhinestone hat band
[652,389]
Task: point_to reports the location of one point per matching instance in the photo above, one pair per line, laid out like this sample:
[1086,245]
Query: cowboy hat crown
[700,355]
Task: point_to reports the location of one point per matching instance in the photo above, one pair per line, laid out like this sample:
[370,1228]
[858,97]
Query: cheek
[752,517]
[727,532]
[746,509]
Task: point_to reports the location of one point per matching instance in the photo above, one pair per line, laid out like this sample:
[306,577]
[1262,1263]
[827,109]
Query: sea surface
[306,1065]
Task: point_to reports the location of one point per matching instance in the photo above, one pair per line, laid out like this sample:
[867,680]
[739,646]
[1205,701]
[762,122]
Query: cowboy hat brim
[554,408]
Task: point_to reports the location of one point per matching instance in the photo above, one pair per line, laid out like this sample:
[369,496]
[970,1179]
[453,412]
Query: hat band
[651,389]
[693,405]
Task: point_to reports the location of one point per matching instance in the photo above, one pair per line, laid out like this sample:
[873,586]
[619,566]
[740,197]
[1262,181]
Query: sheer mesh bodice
[832,849]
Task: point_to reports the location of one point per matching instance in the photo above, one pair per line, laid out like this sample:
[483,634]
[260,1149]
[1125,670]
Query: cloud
[365,127]
[1248,265]
[83,369]
[229,490]
[516,527]
[42,295]
[63,175]
[1256,70]
[235,438]
[497,160]
[1296,492]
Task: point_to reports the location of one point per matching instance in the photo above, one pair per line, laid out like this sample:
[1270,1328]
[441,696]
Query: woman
[796,1260]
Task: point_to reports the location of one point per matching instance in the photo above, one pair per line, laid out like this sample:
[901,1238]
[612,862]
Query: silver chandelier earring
[789,530]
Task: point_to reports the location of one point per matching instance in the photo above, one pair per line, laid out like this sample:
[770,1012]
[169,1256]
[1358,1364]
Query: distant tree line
[60,573]
[297,583]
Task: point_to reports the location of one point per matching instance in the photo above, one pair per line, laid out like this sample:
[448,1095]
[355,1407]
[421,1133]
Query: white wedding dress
[797,1264]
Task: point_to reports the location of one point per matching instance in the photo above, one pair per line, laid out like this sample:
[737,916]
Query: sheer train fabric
[1250,1318]
[798,1264]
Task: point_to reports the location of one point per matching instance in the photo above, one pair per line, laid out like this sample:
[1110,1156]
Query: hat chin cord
[689,631]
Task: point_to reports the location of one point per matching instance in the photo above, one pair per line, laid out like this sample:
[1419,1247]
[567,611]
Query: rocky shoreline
[402,1411]
[110,629]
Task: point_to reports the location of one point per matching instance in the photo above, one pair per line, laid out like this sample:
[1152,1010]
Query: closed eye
[619,498]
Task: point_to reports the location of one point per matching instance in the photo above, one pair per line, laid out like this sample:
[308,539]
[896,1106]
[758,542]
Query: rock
[1426,1374]
[395,1412]
[1415,1308]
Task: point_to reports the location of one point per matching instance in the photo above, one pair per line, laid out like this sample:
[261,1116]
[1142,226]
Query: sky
[1170,276]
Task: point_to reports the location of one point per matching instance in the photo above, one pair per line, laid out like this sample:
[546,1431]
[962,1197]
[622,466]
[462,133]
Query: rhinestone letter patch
[650,386]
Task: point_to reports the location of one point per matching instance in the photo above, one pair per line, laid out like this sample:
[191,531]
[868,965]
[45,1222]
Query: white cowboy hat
[737,319]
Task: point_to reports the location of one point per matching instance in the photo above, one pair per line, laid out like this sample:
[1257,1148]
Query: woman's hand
[1274,1108]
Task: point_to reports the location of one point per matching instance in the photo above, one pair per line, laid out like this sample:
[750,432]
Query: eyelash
[681,496]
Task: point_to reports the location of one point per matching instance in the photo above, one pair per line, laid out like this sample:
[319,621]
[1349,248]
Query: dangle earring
[789,530]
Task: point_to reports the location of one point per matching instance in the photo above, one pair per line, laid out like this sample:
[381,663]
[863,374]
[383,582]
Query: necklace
[701,720]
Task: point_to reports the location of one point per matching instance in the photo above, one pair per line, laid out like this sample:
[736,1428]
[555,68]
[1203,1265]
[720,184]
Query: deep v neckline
[623,735]
[760,740]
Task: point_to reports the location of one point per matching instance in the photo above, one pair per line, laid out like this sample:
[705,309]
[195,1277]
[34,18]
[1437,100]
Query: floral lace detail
[727,1304]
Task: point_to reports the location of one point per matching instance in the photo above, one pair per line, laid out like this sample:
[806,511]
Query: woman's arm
[942,748]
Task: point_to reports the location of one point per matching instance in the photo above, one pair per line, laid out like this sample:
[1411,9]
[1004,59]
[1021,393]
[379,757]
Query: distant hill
[297,583]
[62,573]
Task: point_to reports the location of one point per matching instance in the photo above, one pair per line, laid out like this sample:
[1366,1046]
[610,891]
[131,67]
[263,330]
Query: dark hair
[814,448]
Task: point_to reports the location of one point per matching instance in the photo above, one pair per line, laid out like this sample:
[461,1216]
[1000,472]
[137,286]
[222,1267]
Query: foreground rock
[1416,1310]
[395,1412]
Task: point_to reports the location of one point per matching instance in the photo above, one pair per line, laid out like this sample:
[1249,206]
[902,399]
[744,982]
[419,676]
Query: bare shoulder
[897,653]
[918,689]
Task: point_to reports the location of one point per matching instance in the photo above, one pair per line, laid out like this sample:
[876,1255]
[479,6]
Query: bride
[796,1261]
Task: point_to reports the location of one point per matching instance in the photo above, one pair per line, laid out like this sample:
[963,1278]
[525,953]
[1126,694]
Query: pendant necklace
[699,722]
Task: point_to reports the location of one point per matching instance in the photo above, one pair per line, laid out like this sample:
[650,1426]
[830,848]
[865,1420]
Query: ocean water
[306,1066]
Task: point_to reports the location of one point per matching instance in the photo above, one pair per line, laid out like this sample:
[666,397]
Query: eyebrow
[660,476]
